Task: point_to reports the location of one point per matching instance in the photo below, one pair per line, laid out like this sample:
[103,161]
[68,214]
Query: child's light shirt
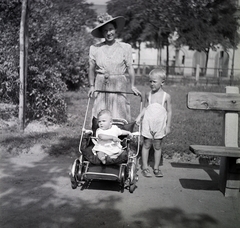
[154,120]
[112,149]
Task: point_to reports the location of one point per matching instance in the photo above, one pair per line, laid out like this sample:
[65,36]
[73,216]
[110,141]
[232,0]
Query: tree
[200,24]
[206,24]
[10,14]
[58,54]
[59,46]
[61,29]
[153,20]
[162,17]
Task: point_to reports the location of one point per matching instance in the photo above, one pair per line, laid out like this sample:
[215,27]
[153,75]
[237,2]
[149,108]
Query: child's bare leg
[157,145]
[145,152]
[102,157]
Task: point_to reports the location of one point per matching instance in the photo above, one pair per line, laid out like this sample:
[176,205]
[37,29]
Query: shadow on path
[176,218]
[35,191]
[196,184]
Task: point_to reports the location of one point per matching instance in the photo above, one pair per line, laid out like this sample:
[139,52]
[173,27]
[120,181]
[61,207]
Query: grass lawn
[188,126]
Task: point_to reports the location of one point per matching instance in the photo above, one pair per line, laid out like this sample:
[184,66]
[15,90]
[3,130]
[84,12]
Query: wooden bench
[229,104]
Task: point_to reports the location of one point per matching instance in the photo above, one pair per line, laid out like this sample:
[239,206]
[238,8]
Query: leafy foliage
[57,55]
[61,35]
[206,24]
[134,24]
[70,24]
[46,99]
[9,51]
[200,24]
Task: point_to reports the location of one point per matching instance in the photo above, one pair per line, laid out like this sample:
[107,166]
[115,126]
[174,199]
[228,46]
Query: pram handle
[111,91]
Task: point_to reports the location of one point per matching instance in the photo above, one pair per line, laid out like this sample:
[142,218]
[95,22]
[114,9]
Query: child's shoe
[157,173]
[146,173]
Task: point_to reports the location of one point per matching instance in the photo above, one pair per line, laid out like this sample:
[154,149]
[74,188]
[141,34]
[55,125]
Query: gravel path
[35,191]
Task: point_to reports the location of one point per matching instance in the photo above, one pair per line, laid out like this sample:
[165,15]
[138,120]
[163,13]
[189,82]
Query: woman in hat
[108,62]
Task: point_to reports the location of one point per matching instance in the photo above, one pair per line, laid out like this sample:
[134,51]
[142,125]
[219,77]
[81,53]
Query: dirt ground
[35,191]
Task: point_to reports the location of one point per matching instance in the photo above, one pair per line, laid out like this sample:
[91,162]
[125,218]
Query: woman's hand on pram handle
[100,70]
[136,91]
[138,120]
[91,91]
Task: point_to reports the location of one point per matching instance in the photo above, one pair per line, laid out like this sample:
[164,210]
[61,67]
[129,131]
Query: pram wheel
[123,174]
[79,172]
[132,188]
[132,174]
[74,183]
[76,173]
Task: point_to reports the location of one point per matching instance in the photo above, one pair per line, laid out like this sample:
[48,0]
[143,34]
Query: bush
[74,66]
[57,55]
[10,13]
[46,96]
[9,81]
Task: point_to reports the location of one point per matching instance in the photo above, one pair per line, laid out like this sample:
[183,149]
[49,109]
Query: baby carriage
[87,167]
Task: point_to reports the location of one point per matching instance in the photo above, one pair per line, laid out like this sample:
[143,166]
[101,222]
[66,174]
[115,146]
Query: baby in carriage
[107,143]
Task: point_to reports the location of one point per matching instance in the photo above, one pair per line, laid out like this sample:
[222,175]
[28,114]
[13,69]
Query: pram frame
[127,172]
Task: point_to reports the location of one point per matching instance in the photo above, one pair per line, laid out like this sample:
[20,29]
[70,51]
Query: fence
[194,75]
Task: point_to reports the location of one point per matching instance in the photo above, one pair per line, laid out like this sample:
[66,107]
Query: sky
[97,2]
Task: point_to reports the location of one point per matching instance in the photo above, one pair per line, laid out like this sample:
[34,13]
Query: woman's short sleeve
[92,52]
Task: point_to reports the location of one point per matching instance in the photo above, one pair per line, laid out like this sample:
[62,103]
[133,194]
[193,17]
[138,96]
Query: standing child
[108,143]
[156,121]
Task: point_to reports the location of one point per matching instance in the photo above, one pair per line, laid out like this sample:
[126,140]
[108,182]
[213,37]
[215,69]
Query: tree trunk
[139,51]
[160,50]
[177,61]
[206,63]
[23,41]
[167,60]
[159,59]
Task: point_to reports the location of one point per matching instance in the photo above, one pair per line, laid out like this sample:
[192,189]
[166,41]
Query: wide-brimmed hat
[103,20]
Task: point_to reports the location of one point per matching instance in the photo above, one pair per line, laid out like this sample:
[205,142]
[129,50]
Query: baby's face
[155,82]
[105,121]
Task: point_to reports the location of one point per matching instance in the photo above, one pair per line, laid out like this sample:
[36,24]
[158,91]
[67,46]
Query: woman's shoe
[157,173]
[146,173]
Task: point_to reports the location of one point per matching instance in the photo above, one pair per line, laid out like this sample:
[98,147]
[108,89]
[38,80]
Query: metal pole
[232,69]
